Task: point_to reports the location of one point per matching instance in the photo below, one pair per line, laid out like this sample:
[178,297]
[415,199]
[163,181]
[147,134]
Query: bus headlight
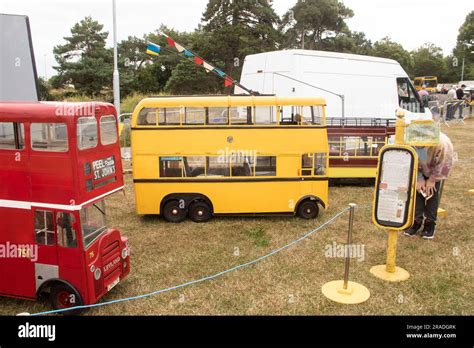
[124,253]
[97,274]
[92,269]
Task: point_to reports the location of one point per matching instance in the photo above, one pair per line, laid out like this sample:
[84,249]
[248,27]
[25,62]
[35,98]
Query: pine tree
[236,29]
[83,60]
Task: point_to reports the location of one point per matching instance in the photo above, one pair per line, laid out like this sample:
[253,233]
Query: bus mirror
[395,187]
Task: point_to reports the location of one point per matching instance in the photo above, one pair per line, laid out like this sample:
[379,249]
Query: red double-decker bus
[58,162]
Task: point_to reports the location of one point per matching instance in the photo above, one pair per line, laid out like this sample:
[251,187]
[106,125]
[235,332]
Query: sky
[409,22]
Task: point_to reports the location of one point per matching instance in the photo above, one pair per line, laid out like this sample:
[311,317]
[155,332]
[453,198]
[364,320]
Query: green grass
[289,283]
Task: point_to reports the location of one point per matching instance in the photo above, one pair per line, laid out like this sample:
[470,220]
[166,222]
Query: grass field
[289,283]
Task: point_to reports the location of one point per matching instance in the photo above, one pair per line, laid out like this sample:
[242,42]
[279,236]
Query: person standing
[451,98]
[434,165]
[424,96]
[460,96]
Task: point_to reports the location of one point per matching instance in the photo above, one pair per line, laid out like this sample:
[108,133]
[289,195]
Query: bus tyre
[200,212]
[308,210]
[65,296]
[172,212]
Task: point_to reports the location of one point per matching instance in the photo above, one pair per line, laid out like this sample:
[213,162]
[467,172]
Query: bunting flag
[153,50]
[170,41]
[188,54]
[183,51]
[228,82]
[207,66]
[198,61]
[180,48]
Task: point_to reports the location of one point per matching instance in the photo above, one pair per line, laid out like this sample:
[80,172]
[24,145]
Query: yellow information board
[395,188]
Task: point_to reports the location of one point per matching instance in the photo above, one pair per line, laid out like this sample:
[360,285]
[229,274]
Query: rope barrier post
[352,207]
[345,291]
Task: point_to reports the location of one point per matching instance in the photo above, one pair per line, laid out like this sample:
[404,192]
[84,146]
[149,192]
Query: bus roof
[228,101]
[46,110]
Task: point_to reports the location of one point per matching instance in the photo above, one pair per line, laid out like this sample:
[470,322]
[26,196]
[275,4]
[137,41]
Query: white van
[354,86]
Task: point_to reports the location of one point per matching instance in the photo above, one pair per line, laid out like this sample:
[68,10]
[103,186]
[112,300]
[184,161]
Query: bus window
[194,166]
[44,227]
[108,130]
[87,136]
[216,166]
[67,237]
[304,115]
[313,164]
[93,222]
[240,115]
[265,166]
[169,116]
[265,115]
[320,164]
[218,115]
[193,115]
[171,167]
[307,164]
[147,117]
[335,145]
[242,165]
[12,136]
[49,137]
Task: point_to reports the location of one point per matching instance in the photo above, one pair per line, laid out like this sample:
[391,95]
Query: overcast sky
[409,22]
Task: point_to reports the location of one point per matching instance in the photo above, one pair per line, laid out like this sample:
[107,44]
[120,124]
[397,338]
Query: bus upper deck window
[87,136]
[12,136]
[108,130]
[240,115]
[218,115]
[265,114]
[49,137]
[169,116]
[194,115]
[147,117]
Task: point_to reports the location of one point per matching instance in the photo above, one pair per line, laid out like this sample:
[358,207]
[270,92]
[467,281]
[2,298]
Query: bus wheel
[200,212]
[308,210]
[64,296]
[172,212]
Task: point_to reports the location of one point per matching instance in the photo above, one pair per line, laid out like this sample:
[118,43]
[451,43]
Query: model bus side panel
[234,197]
[17,273]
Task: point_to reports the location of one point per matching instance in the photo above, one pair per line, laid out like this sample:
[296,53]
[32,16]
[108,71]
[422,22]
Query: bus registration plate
[113,284]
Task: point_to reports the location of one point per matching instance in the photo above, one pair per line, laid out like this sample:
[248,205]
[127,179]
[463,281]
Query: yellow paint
[399,275]
[392,251]
[442,213]
[354,294]
[287,143]
[351,172]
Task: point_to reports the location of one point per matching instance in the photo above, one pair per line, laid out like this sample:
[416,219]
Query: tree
[314,23]
[465,50]
[234,29]
[386,48]
[429,61]
[352,42]
[83,60]
[188,78]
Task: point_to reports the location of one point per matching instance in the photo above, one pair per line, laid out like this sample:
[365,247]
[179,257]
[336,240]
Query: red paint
[58,179]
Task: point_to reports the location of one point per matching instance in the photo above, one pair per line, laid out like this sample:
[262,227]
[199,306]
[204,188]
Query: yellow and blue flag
[153,49]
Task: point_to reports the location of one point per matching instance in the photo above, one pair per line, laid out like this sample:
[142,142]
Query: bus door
[46,266]
[68,243]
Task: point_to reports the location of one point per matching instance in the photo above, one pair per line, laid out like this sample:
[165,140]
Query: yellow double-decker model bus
[430,83]
[200,156]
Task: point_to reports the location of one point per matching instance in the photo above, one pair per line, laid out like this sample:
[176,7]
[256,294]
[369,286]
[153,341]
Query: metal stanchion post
[345,291]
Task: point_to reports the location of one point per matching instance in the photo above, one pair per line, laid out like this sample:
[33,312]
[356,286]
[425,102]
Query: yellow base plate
[399,275]
[355,293]
[442,212]
[471,192]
